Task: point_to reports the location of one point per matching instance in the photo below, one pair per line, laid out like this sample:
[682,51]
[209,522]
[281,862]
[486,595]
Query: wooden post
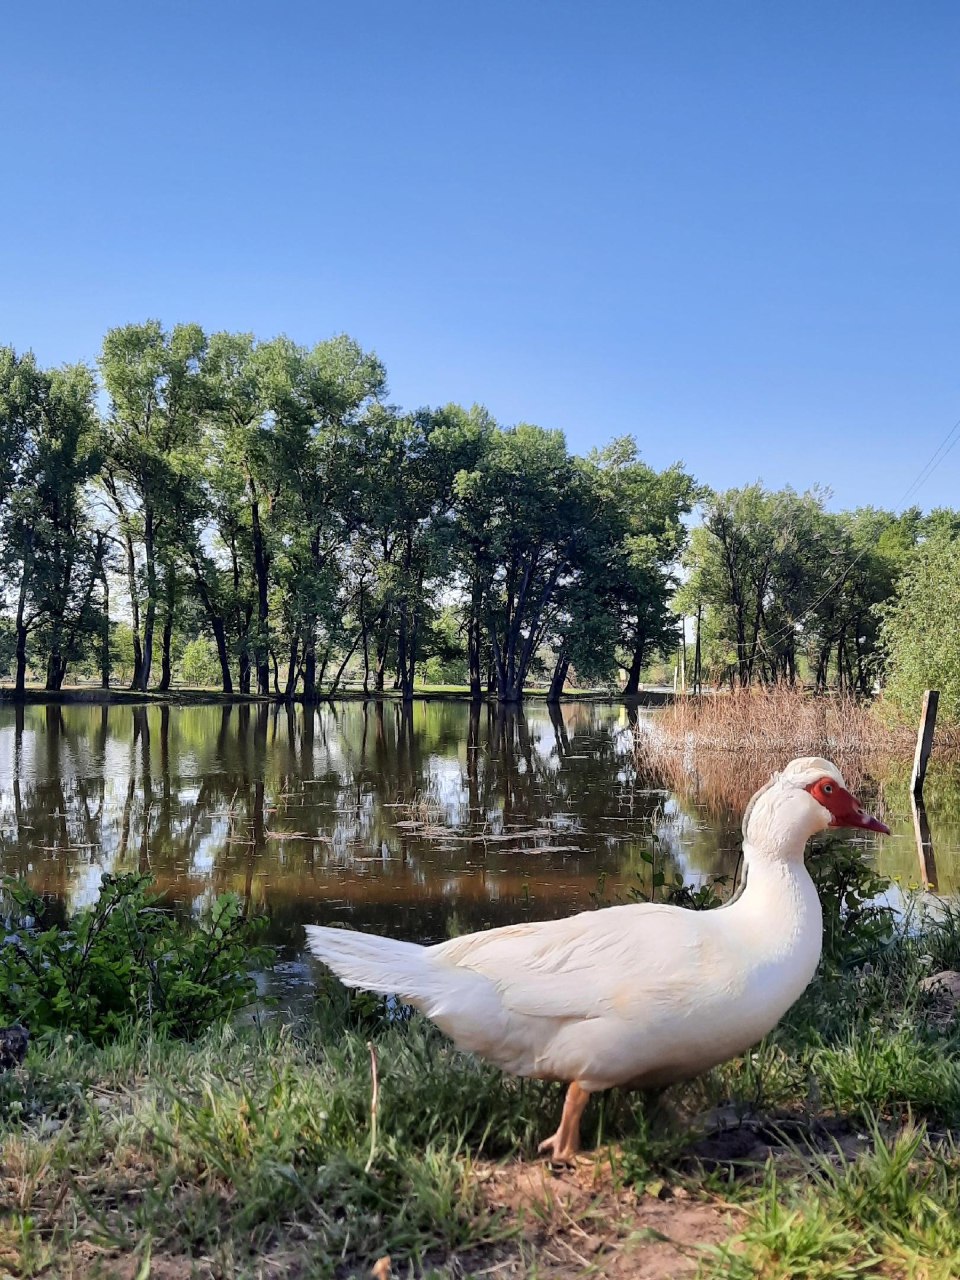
[697,676]
[928,719]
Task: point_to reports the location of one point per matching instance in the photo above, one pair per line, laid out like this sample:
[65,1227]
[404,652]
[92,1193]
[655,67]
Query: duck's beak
[849,812]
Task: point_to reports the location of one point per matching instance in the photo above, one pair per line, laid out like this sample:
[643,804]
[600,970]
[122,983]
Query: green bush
[199,665]
[125,960]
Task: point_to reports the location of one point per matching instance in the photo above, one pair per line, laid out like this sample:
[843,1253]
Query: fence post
[928,719]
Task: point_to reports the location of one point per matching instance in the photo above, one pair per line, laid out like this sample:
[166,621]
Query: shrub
[199,665]
[125,960]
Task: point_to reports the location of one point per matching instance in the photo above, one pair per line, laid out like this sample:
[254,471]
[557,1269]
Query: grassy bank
[828,1152]
[192,697]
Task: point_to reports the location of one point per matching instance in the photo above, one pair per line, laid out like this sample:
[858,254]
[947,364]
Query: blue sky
[728,228]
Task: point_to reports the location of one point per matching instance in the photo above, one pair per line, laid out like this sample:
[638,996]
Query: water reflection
[925,854]
[411,821]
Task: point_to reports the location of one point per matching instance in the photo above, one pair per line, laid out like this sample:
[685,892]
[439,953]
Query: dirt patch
[583,1219]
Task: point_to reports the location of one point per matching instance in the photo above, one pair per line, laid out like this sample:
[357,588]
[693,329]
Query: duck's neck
[780,898]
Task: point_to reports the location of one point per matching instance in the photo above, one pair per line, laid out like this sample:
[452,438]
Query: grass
[894,1211]
[253,1152]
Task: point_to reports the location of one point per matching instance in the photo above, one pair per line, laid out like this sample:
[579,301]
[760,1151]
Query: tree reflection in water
[312,812]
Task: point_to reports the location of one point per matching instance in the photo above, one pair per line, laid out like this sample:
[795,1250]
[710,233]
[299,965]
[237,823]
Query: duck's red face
[845,810]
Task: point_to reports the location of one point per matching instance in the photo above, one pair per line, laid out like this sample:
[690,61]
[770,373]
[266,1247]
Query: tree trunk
[217,625]
[56,671]
[105,632]
[220,639]
[558,679]
[167,644]
[343,666]
[632,687]
[473,658]
[513,658]
[22,628]
[292,668]
[134,608]
[401,681]
[261,570]
[364,628]
[383,649]
[310,662]
[150,614]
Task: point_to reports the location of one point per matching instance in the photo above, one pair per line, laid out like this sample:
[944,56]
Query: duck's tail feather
[464,1004]
[372,962]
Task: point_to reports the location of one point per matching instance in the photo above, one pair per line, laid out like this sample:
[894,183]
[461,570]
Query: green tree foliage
[919,628]
[523,512]
[255,513]
[259,501]
[50,556]
[151,443]
[198,663]
[787,589]
[638,535]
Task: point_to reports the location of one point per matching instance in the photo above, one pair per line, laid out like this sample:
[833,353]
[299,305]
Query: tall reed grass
[782,718]
[718,748]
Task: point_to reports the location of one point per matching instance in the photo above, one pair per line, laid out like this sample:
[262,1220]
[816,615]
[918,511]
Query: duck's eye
[827,788]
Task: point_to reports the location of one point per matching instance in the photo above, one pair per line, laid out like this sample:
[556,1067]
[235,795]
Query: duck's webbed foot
[564,1145]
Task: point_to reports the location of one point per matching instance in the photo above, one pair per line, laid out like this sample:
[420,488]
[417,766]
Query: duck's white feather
[639,994]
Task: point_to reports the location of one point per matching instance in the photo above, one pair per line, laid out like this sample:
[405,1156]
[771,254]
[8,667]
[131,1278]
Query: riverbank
[829,1151]
[212,697]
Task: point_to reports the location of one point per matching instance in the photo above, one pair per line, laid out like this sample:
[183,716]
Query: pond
[422,822]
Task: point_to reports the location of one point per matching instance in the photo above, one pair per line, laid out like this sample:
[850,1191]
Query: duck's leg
[565,1143]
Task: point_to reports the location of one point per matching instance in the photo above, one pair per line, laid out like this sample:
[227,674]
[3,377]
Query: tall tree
[644,511]
[50,552]
[157,398]
[520,513]
[919,629]
[318,402]
[757,562]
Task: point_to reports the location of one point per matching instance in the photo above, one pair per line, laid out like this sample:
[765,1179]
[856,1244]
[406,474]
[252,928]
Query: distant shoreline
[210,697]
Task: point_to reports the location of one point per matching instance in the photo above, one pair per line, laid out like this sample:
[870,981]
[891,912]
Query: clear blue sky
[731,229]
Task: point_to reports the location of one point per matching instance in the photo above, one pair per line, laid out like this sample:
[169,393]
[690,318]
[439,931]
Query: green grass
[252,1152]
[894,1211]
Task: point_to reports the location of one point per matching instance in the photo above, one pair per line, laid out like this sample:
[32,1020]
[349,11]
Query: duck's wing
[580,967]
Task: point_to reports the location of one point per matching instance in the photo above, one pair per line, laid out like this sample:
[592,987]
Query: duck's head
[805,797]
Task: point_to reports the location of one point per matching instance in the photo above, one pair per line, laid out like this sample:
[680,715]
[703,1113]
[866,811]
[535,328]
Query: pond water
[417,822]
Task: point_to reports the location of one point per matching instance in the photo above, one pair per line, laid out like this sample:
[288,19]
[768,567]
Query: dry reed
[782,718]
[718,748]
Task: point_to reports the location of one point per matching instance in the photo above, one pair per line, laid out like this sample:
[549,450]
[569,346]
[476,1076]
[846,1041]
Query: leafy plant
[675,890]
[856,922]
[124,960]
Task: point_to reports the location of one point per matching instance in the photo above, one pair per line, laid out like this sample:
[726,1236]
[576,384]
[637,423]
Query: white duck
[638,995]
